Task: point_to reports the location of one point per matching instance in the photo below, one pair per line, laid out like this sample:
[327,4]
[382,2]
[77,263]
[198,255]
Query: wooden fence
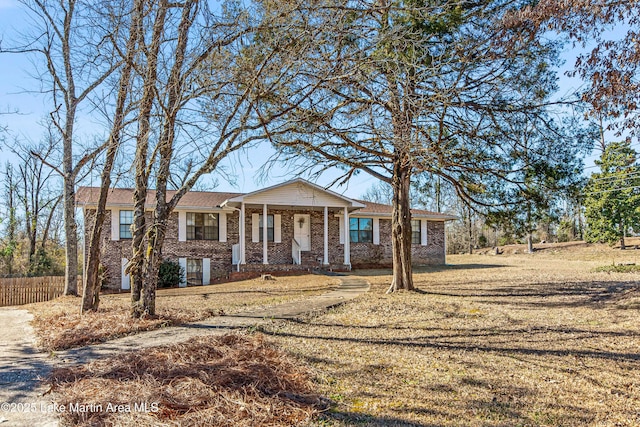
[25,290]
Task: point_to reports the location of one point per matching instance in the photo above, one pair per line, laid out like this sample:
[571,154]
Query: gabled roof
[296,192]
[88,196]
[379,209]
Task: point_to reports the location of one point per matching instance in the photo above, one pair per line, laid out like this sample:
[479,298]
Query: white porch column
[326,235]
[347,238]
[265,246]
[243,259]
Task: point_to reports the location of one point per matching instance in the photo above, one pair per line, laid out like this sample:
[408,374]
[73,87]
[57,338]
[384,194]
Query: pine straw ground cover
[59,325]
[233,380]
[517,340]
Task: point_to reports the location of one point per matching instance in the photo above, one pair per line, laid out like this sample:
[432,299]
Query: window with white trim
[270,228]
[361,230]
[126,219]
[203,226]
[194,271]
[416,232]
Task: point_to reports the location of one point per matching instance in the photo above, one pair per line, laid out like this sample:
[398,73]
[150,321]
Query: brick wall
[362,254]
[434,251]
[368,255]
[111,251]
[277,253]
[114,250]
[280,253]
[218,252]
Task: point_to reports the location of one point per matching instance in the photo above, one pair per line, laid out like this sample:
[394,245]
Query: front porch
[300,238]
[292,227]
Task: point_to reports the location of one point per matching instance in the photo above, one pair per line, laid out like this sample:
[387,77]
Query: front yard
[508,340]
[519,340]
[59,325]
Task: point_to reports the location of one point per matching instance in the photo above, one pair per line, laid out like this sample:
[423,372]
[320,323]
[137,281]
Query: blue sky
[15,83]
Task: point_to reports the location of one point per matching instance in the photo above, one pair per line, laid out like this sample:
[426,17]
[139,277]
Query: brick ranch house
[214,235]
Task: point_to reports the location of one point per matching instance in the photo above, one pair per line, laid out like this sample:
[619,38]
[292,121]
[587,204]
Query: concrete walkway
[23,398]
[349,288]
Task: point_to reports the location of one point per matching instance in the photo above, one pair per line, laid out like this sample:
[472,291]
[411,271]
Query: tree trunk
[13,221]
[30,216]
[529,228]
[439,194]
[91,285]
[71,237]
[153,255]
[91,291]
[469,229]
[47,225]
[136,265]
[146,305]
[69,174]
[401,228]
[622,233]
[580,224]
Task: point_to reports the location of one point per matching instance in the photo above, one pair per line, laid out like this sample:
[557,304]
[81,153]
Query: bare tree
[380,192]
[611,64]
[38,195]
[39,198]
[71,44]
[202,79]
[10,244]
[91,286]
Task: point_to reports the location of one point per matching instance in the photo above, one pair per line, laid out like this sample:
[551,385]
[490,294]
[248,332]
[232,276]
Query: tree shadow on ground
[22,371]
[427,269]
[545,294]
[497,404]
[449,344]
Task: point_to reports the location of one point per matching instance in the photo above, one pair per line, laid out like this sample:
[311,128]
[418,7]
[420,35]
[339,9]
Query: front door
[302,231]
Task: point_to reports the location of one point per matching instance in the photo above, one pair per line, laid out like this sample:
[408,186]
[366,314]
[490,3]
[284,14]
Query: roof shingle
[88,196]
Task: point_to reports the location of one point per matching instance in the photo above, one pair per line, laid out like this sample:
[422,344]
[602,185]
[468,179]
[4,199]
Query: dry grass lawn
[539,339]
[508,340]
[59,325]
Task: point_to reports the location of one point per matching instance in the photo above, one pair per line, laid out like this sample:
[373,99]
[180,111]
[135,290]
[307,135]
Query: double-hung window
[203,226]
[361,230]
[126,219]
[270,228]
[194,271]
[416,232]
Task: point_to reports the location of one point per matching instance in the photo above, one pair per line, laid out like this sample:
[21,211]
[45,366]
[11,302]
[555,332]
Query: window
[126,219]
[361,230]
[416,237]
[270,228]
[194,271]
[202,226]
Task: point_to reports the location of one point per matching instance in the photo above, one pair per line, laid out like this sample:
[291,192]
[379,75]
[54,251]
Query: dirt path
[21,367]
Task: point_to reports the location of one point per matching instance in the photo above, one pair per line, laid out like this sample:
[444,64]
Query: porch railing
[296,252]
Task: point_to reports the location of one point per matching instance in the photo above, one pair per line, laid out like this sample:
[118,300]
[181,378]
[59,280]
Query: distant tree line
[31,242]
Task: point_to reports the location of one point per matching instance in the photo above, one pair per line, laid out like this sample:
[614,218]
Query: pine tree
[612,199]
